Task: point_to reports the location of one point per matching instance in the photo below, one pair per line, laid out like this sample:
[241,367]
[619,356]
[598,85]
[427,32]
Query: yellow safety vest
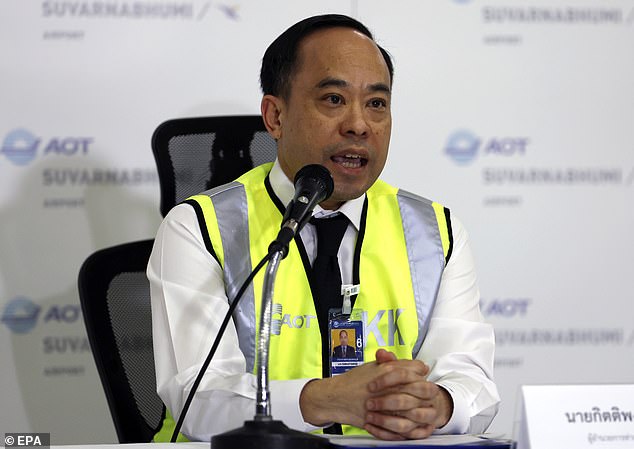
[402,247]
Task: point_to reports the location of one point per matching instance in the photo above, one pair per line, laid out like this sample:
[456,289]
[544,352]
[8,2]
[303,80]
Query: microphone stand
[263,432]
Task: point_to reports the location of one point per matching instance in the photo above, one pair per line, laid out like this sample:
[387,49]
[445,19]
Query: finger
[394,402]
[425,391]
[416,366]
[393,423]
[382,434]
[398,374]
[420,432]
[383,356]
[423,416]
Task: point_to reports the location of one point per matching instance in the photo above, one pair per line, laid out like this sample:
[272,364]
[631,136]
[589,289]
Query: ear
[271,108]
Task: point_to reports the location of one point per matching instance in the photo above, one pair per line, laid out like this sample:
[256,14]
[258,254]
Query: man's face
[343,338]
[337,112]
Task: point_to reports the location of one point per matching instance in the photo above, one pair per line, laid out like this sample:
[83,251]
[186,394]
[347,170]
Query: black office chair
[192,155]
[115,300]
[196,154]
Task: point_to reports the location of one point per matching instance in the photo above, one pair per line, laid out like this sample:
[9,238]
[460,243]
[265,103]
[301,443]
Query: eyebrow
[337,82]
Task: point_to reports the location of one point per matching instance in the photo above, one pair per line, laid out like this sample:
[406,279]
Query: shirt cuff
[459,421]
[285,403]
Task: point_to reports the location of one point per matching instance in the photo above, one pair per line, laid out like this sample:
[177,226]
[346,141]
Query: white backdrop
[519,118]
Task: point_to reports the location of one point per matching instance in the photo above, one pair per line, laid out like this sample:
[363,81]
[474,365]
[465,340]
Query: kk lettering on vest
[391,336]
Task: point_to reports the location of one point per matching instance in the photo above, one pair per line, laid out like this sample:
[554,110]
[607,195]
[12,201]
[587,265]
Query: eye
[334,99]
[378,103]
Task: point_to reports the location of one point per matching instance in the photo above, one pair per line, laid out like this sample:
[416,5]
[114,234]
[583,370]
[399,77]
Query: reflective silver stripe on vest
[422,240]
[232,213]
[425,254]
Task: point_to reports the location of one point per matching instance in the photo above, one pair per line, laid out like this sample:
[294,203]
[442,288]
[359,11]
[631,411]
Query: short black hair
[279,60]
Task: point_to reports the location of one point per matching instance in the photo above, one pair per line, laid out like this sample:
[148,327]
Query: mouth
[349,160]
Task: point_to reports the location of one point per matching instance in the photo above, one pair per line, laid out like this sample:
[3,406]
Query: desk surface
[435,441]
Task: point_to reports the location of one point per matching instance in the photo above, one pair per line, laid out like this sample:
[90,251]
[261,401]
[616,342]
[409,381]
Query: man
[343,351]
[327,97]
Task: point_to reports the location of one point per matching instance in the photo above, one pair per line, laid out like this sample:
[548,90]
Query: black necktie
[327,283]
[326,272]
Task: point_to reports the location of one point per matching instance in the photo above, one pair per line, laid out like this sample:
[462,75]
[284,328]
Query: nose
[355,123]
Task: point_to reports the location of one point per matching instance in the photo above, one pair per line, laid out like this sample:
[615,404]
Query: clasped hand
[389,398]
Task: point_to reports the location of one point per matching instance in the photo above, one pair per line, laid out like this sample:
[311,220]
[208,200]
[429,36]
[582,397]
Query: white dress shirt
[189,303]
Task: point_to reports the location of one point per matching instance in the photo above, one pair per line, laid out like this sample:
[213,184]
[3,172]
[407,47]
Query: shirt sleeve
[188,305]
[459,345]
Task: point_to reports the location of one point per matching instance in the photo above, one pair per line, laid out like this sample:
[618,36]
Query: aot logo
[279,319]
[21,146]
[463,146]
[20,315]
[505,307]
[505,146]
[67,313]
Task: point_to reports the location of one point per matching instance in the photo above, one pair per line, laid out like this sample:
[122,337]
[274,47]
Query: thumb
[383,356]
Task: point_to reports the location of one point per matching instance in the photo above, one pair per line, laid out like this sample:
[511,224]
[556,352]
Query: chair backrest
[192,155]
[196,154]
[115,298]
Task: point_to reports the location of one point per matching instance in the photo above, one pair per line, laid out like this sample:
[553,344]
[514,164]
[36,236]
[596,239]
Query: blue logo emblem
[462,146]
[20,146]
[20,315]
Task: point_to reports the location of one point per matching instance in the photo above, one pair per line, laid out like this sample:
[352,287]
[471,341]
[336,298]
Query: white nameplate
[576,416]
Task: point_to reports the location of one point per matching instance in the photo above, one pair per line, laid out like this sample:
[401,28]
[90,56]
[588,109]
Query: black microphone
[313,184]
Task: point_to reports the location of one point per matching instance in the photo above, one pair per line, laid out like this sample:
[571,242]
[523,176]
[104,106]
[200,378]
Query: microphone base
[267,435]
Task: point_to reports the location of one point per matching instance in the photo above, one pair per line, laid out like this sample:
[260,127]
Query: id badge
[346,340]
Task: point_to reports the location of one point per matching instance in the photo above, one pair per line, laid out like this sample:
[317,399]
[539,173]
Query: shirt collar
[285,190]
